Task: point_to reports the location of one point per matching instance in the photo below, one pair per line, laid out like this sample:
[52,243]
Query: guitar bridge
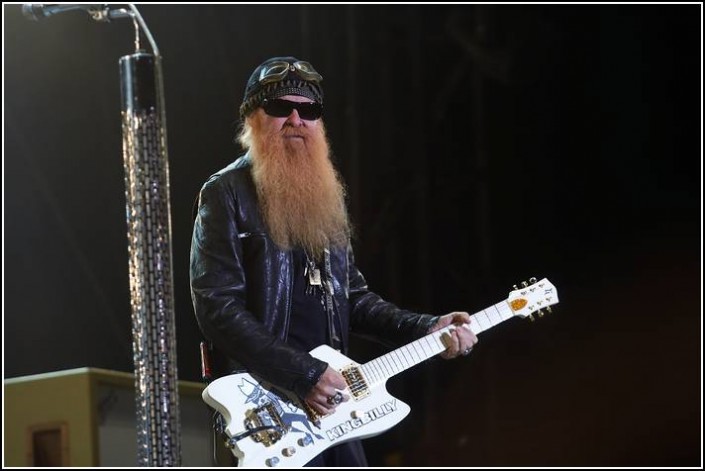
[267,418]
[356,382]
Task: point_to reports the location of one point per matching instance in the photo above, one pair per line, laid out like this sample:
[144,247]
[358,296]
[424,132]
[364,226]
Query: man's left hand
[461,339]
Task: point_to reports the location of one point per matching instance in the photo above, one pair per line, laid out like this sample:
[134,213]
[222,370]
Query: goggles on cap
[283,108]
[276,71]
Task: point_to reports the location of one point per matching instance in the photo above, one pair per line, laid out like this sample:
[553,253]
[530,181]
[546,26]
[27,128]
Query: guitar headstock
[534,296]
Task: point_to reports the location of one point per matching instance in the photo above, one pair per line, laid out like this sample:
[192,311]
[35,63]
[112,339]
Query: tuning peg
[540,313]
[532,280]
[524,284]
[515,287]
[548,308]
[531,317]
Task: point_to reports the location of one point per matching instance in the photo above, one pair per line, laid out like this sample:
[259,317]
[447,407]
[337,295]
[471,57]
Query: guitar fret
[386,368]
[402,358]
[371,378]
[487,319]
[439,344]
[398,358]
[415,352]
[492,318]
[419,346]
[406,351]
[504,310]
[419,351]
[495,315]
[378,370]
[409,349]
[388,364]
[432,344]
[478,323]
[502,314]
[375,371]
[423,348]
[397,362]
[418,356]
[428,350]
[393,367]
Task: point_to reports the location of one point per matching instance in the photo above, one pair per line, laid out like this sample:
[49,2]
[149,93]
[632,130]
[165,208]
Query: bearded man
[272,270]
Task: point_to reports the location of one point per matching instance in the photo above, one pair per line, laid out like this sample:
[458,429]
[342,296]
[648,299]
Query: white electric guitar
[268,427]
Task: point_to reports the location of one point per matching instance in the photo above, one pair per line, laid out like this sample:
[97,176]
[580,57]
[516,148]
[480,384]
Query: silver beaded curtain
[150,260]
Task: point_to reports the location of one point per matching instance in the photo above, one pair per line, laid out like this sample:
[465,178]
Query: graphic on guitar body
[287,410]
[268,427]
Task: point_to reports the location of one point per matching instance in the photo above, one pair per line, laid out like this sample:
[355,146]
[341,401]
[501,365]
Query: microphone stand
[149,237]
[150,257]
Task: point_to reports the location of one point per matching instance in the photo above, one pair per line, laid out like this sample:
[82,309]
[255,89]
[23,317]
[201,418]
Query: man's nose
[294,118]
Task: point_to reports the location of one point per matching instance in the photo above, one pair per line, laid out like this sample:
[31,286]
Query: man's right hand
[320,396]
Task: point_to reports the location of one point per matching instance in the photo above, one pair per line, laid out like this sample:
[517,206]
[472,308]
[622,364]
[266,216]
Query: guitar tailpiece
[232,441]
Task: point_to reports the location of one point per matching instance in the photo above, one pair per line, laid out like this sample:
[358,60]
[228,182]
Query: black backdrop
[481,145]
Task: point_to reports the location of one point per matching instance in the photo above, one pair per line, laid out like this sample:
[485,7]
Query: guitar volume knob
[272,462]
[305,441]
[289,451]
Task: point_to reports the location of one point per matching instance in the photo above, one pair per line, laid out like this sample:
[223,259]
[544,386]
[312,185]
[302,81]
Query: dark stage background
[481,145]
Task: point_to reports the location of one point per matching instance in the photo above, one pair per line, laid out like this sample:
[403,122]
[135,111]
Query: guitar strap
[334,324]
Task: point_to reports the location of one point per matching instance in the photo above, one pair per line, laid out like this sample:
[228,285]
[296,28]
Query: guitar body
[244,398]
[268,427]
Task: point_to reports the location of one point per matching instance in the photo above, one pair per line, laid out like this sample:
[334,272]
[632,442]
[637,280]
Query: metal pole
[150,260]
[148,235]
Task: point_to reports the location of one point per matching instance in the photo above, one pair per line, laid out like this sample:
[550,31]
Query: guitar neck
[382,368]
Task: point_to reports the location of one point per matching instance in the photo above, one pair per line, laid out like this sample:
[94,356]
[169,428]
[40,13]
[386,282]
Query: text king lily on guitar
[273,276]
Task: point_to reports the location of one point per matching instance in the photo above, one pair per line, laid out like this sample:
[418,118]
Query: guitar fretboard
[382,368]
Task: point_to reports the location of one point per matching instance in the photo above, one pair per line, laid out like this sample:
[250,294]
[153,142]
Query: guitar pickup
[356,382]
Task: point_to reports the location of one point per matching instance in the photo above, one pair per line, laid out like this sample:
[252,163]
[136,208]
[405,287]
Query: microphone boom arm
[101,12]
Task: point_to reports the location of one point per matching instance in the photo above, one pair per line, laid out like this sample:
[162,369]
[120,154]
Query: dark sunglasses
[283,108]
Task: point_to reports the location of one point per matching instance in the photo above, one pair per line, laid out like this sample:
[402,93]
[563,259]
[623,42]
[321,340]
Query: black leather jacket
[241,287]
